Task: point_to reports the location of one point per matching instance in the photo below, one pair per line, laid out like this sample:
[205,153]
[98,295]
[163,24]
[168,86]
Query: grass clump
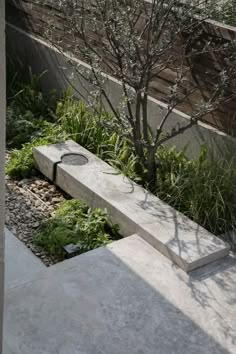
[99,134]
[30,122]
[28,108]
[224,12]
[74,222]
[21,162]
[202,189]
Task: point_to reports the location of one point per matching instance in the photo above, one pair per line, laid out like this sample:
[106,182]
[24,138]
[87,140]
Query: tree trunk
[145,115]
[137,128]
[151,167]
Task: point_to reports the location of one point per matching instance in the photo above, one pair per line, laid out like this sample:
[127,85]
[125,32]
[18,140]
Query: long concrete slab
[126,298]
[131,206]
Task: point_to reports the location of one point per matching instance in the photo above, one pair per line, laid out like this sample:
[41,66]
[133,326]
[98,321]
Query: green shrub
[99,134]
[83,126]
[203,190]
[74,222]
[21,163]
[23,128]
[28,110]
[24,93]
[227,13]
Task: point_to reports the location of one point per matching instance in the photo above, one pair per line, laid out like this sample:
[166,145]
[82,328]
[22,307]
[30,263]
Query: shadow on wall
[35,53]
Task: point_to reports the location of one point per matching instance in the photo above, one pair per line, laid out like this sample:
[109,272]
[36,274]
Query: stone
[46,166]
[52,189]
[37,203]
[25,212]
[126,298]
[47,196]
[36,225]
[23,182]
[56,200]
[132,207]
[19,260]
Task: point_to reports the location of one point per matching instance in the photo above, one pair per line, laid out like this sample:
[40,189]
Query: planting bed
[200,189]
[131,206]
[29,202]
[38,215]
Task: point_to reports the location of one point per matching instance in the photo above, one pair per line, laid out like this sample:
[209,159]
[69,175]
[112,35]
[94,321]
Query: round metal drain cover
[74,159]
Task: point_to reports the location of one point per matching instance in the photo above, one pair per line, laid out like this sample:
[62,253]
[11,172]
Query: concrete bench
[84,176]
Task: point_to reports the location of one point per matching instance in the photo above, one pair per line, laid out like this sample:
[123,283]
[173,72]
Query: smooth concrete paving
[126,298]
[131,206]
[19,260]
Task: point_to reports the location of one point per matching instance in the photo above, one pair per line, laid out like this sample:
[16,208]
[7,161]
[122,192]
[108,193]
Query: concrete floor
[19,260]
[123,299]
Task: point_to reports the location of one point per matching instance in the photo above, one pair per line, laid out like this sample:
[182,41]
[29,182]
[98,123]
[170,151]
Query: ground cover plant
[75,223]
[30,120]
[202,189]
[29,109]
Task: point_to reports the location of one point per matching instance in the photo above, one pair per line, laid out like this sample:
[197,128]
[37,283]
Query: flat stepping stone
[130,206]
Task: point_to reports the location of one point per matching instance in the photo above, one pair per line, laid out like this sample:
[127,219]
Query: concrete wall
[2,157]
[36,53]
[34,16]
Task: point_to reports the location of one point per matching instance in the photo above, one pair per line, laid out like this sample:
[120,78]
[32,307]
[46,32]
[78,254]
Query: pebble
[52,189]
[56,200]
[37,203]
[8,219]
[25,212]
[22,182]
[36,225]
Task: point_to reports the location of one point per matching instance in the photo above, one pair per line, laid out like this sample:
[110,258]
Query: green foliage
[29,121]
[97,133]
[76,223]
[228,13]
[25,93]
[203,190]
[224,11]
[21,163]
[28,110]
[81,124]
[23,128]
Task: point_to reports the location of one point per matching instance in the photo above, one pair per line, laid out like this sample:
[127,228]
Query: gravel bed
[28,203]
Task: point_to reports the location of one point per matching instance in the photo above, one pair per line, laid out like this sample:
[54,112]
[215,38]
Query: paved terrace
[126,298]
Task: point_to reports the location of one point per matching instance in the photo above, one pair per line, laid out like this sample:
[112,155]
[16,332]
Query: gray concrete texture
[123,299]
[2,156]
[131,206]
[37,54]
[20,261]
